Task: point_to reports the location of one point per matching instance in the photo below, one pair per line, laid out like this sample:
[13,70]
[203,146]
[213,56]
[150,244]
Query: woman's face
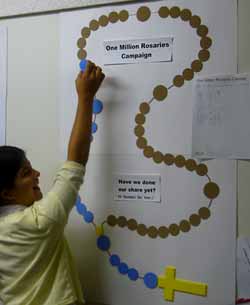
[26,186]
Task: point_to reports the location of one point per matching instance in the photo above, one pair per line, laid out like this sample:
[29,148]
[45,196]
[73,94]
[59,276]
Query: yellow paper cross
[170,285]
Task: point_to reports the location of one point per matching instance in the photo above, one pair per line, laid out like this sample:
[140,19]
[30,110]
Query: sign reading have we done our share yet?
[138,51]
[137,187]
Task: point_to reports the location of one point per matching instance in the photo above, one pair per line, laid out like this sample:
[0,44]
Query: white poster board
[3,83]
[145,128]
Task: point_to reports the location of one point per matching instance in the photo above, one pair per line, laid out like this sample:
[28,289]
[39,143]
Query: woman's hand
[89,81]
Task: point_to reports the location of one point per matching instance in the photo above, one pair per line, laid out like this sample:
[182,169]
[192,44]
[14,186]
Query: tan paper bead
[123,15]
[158,157]
[152,232]
[202,30]
[174,229]
[206,42]
[197,65]
[94,25]
[201,169]
[190,165]
[141,143]
[179,161]
[122,221]
[140,118]
[85,32]
[204,213]
[148,152]
[81,43]
[185,226]
[188,74]
[211,190]
[175,12]
[139,130]
[163,232]
[195,21]
[186,14]
[111,220]
[142,229]
[178,81]
[132,224]
[195,220]
[113,17]
[204,55]
[144,108]
[103,20]
[160,93]
[143,13]
[169,159]
[81,54]
[163,12]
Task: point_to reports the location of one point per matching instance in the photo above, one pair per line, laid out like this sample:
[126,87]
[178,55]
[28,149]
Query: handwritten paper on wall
[221,112]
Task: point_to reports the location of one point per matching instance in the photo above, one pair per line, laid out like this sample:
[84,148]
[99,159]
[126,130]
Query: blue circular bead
[150,280]
[88,217]
[81,208]
[97,106]
[94,127]
[123,268]
[103,243]
[133,274]
[114,260]
[83,64]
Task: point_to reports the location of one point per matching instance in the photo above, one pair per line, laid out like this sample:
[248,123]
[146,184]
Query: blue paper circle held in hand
[103,243]
[88,217]
[97,106]
[123,268]
[133,274]
[94,127]
[83,64]
[114,260]
[150,280]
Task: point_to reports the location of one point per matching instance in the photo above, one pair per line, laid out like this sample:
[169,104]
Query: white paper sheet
[3,82]
[221,111]
[243,267]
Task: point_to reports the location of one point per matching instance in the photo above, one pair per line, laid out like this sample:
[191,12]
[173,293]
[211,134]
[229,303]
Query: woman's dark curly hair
[11,160]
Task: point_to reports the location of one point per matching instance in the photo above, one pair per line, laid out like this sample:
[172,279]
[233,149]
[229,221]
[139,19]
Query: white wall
[32,111]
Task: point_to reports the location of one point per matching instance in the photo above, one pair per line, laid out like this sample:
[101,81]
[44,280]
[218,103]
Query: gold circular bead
[103,21]
[185,226]
[190,165]
[139,130]
[174,229]
[113,17]
[141,229]
[206,42]
[163,232]
[123,15]
[144,108]
[148,152]
[85,32]
[211,190]
[143,13]
[175,12]
[132,224]
[204,213]
[152,232]
[202,30]
[140,118]
[141,143]
[111,220]
[195,220]
[158,157]
[197,65]
[81,54]
[169,159]
[195,21]
[179,161]
[186,14]
[160,93]
[94,25]
[204,55]
[202,170]
[178,81]
[81,43]
[188,74]
[163,12]
[122,221]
